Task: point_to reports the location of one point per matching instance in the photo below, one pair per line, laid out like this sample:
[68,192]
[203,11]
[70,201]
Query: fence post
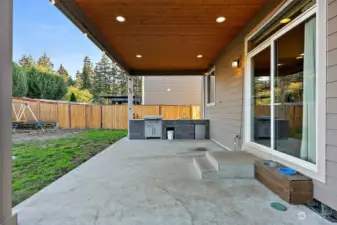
[69,114]
[85,116]
[38,109]
[101,107]
[57,113]
[191,112]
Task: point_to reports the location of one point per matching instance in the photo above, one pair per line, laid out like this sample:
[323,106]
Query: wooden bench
[296,189]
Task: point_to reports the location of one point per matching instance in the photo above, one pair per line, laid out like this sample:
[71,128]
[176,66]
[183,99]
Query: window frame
[207,89]
[316,171]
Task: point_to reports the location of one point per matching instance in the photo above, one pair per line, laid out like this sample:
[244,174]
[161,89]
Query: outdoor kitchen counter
[183,128]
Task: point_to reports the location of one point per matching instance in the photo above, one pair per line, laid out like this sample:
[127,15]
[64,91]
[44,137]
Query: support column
[6,27]
[202,103]
[130,102]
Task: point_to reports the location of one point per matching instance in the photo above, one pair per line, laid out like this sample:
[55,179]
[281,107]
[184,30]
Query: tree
[45,64]
[20,86]
[78,79]
[71,81]
[81,95]
[98,82]
[45,85]
[87,73]
[104,79]
[122,81]
[138,86]
[73,97]
[27,61]
[63,73]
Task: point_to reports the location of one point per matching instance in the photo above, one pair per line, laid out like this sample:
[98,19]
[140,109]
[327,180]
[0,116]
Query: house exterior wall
[327,193]
[184,90]
[226,117]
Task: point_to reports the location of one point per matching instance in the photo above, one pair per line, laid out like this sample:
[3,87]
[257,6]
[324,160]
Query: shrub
[81,95]
[20,86]
[73,97]
[45,85]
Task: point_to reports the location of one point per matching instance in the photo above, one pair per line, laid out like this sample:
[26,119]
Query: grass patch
[38,164]
[297,134]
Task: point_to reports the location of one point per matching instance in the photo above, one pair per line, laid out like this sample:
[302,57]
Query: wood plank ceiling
[169,34]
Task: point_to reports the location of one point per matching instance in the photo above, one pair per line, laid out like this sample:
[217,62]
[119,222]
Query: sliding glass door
[295,91]
[261,97]
[281,91]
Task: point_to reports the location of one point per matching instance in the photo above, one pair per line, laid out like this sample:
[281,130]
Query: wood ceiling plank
[169,33]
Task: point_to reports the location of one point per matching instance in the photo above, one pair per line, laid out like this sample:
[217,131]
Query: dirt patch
[39,135]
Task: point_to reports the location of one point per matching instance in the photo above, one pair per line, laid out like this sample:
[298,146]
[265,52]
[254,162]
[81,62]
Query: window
[210,89]
[285,89]
[260,104]
[279,21]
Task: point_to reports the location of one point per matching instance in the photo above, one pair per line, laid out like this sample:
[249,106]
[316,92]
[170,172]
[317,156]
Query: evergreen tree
[97,82]
[71,81]
[137,86]
[19,78]
[27,61]
[63,73]
[123,82]
[45,64]
[73,97]
[87,73]
[103,78]
[78,79]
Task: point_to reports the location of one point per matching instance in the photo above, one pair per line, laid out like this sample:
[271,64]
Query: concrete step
[204,168]
[232,165]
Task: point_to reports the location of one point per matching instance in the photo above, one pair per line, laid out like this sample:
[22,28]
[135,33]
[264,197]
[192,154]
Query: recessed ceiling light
[199,56]
[285,20]
[302,54]
[52,2]
[139,56]
[220,19]
[299,57]
[280,64]
[120,19]
[168,89]
[85,33]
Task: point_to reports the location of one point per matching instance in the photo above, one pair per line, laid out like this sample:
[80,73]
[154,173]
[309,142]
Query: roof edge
[70,9]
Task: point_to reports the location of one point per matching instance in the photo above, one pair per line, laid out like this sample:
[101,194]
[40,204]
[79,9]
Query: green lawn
[38,164]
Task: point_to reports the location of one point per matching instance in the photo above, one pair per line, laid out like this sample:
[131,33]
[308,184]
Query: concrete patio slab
[152,183]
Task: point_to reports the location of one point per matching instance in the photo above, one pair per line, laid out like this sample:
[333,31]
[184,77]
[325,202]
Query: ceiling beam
[70,9]
[167,73]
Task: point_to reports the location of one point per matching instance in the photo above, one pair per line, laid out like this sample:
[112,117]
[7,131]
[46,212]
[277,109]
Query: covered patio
[154,182]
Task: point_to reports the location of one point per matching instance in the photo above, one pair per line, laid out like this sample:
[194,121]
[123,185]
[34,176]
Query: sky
[40,27]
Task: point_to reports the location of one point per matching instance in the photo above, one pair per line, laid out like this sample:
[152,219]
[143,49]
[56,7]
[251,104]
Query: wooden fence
[292,113]
[90,116]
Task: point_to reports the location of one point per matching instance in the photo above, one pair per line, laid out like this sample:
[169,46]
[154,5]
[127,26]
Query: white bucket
[170,134]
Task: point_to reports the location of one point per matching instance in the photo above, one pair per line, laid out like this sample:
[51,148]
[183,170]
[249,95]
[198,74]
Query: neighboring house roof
[121,99]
